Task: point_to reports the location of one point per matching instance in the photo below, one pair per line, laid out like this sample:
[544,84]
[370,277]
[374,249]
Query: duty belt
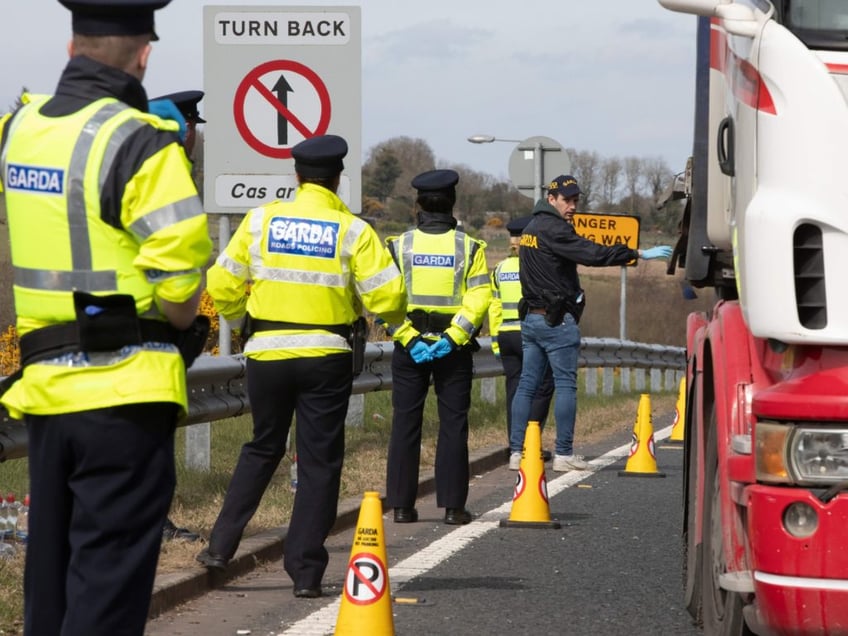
[259,324]
[429,321]
[54,340]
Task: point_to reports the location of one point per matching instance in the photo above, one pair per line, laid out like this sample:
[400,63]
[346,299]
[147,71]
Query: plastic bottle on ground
[22,527]
[293,474]
[12,509]
[4,520]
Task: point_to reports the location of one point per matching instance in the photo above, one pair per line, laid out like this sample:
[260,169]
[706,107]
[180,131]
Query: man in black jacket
[552,303]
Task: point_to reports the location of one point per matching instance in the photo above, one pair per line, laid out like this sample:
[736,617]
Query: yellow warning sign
[608,229]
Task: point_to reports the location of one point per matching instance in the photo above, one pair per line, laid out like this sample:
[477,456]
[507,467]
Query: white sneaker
[564,463]
[515,460]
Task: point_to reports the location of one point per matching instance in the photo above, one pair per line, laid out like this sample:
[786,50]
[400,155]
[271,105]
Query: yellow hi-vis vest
[506,292]
[53,170]
[444,274]
[311,262]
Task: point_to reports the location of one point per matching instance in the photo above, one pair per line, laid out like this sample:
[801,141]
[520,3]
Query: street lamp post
[538,146]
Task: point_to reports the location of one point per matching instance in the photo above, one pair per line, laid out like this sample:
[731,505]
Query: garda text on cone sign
[274,76]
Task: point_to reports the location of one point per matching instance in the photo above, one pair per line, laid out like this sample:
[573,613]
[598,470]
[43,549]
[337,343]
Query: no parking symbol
[366,579]
[278,104]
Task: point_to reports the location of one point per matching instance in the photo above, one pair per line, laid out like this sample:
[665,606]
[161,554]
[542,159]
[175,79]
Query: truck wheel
[692,554]
[722,610]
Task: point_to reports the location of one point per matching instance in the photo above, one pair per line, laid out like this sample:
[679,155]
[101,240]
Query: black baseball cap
[566,185]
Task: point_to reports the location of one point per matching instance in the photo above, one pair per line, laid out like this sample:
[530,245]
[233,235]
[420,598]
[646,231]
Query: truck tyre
[692,553]
[722,610]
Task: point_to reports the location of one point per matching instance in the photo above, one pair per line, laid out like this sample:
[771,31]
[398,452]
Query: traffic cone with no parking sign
[530,508]
[366,600]
[679,414]
[643,460]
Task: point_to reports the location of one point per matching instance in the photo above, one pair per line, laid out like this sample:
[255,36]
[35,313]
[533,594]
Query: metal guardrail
[218,389]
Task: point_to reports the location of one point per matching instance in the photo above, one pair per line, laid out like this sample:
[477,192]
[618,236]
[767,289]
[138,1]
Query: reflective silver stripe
[377,280]
[166,216]
[77,219]
[239,270]
[299,341]
[302,277]
[463,323]
[508,306]
[357,227]
[511,323]
[256,217]
[65,281]
[477,281]
[432,301]
[119,136]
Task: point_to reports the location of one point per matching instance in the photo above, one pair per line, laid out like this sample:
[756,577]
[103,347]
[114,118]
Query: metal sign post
[608,230]
[274,76]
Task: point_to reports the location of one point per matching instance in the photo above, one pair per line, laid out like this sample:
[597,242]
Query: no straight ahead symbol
[264,107]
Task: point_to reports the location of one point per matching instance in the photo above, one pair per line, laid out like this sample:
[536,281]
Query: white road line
[323,622]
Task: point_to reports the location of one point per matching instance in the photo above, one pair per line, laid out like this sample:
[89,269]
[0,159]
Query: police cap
[319,156]
[186,102]
[516,226]
[113,17]
[435,180]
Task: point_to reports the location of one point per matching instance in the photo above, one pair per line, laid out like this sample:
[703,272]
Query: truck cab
[766,226]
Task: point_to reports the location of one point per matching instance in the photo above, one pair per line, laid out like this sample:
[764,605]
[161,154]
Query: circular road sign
[268,134]
[537,153]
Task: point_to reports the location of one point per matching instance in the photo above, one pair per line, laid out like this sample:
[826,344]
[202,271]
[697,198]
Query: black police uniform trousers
[317,390]
[452,377]
[101,483]
[512,358]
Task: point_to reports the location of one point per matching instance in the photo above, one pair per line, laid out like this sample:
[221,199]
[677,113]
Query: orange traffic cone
[643,460]
[679,414]
[530,507]
[366,601]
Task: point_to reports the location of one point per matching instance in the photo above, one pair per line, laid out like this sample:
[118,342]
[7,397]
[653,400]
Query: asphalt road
[613,567]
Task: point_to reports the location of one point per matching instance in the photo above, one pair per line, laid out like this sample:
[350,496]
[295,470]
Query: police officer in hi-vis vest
[108,242]
[447,284]
[187,115]
[505,330]
[313,266]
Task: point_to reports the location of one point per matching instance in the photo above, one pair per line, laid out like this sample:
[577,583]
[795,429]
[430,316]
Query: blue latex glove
[166,109]
[420,352]
[441,348]
[660,251]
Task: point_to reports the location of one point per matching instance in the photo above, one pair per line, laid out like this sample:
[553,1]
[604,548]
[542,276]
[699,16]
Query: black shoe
[457,516]
[170,532]
[212,561]
[406,515]
[308,592]
[546,456]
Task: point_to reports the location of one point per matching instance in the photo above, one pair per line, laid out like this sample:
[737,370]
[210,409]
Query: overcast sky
[613,76]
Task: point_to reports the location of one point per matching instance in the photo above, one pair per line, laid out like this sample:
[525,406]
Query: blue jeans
[560,347]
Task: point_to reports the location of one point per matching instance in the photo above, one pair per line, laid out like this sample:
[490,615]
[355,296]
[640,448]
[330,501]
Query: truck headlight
[787,453]
[819,455]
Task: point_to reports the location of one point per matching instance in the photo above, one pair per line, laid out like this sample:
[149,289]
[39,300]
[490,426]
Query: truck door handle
[726,146]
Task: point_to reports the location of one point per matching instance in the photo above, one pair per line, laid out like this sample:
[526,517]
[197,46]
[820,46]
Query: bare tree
[633,171]
[658,176]
[585,167]
[610,177]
